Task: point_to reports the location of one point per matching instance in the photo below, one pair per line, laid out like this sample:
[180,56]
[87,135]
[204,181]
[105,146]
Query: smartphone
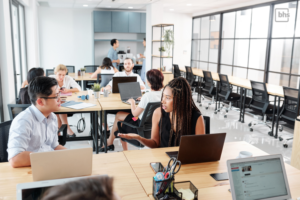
[157,167]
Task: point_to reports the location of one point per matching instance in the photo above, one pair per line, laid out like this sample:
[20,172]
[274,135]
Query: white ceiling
[179,6]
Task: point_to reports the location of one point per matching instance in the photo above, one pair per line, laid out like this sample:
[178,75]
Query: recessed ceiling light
[85,5]
[172,9]
[130,7]
[188,4]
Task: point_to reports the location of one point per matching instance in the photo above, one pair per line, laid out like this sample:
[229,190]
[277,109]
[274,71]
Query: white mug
[245,154]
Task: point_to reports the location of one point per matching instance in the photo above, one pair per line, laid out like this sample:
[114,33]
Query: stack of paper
[77,105]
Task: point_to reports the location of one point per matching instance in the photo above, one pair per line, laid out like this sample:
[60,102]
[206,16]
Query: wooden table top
[86,77]
[116,165]
[198,173]
[275,90]
[74,97]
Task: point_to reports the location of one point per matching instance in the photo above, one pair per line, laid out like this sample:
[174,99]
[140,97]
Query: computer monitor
[121,79]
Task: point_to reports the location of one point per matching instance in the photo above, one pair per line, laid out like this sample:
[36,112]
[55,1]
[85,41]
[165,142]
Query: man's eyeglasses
[57,97]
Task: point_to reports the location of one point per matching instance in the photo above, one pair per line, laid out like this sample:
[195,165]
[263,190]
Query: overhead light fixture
[130,7]
[188,4]
[85,5]
[172,9]
[212,18]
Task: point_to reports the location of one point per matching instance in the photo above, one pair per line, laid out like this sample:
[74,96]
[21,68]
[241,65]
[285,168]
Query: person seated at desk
[106,68]
[177,116]
[128,66]
[23,94]
[155,81]
[35,129]
[88,188]
[66,84]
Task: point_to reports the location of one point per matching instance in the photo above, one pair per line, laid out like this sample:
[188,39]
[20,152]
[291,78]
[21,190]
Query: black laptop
[199,148]
[121,79]
[130,90]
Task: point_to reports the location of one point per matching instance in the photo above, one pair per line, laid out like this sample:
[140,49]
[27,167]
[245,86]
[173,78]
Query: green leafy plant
[169,40]
[96,87]
[82,69]
[162,49]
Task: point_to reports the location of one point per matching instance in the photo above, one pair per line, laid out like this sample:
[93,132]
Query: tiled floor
[235,130]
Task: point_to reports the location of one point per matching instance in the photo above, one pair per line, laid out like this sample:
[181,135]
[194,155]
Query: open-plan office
[149,99]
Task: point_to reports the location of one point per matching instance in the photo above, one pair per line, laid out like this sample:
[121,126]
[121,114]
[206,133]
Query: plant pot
[97,94]
[82,73]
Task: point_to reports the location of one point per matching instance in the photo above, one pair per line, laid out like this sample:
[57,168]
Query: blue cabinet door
[134,22]
[102,21]
[143,22]
[120,22]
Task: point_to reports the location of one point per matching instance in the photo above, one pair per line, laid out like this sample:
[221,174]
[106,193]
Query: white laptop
[262,177]
[35,190]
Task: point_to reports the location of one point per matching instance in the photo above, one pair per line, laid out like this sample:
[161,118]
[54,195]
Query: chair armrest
[62,139]
[126,123]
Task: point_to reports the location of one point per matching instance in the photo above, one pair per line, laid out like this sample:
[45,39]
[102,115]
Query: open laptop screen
[258,179]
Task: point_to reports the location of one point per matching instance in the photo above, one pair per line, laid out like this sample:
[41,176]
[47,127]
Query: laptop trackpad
[172,154]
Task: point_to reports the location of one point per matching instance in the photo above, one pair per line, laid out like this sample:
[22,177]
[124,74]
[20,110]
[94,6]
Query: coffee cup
[245,154]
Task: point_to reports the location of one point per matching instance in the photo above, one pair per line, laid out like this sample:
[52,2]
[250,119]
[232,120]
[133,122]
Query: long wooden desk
[198,173]
[82,79]
[116,165]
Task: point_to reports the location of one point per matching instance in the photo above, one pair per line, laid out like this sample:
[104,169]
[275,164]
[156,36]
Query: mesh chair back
[176,71]
[49,72]
[15,109]
[225,87]
[148,113]
[71,69]
[290,109]
[189,75]
[260,96]
[104,79]
[90,68]
[208,81]
[4,134]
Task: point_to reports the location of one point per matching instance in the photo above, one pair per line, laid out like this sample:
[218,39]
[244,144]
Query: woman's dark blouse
[24,96]
[166,127]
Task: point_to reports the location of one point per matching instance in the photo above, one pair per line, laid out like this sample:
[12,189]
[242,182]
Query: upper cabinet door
[134,22]
[102,21]
[143,22]
[120,22]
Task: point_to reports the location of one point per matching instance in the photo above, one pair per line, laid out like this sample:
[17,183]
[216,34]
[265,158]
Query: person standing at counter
[112,53]
[143,72]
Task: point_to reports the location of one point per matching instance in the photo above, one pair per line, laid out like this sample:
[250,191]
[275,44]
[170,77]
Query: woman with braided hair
[177,116]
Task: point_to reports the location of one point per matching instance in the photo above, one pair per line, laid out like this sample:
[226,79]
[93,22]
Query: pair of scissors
[172,168]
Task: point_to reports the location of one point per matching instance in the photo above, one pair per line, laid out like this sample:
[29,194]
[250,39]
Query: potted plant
[169,40]
[82,71]
[96,89]
[162,50]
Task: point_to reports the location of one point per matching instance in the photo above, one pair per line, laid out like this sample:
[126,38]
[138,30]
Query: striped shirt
[32,131]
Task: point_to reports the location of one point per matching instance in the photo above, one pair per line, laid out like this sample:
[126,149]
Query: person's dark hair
[113,41]
[156,79]
[106,63]
[129,59]
[34,72]
[183,106]
[40,86]
[145,39]
[96,188]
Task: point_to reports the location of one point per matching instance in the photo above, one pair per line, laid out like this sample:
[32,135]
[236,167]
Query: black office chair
[260,103]
[90,69]
[191,79]
[71,69]
[145,126]
[225,94]
[176,71]
[4,134]
[15,109]
[208,88]
[49,72]
[104,79]
[289,111]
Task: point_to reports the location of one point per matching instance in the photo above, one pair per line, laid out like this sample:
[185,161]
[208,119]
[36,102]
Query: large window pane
[214,26]
[241,49]
[22,42]
[255,75]
[228,25]
[203,65]
[243,19]
[195,64]
[227,52]
[213,50]
[297,33]
[196,28]
[278,79]
[226,70]
[213,67]
[296,58]
[204,28]
[196,50]
[281,51]
[257,56]
[260,22]
[204,50]
[295,82]
[286,28]
[240,72]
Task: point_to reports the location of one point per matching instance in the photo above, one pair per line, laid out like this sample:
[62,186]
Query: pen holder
[165,188]
[84,97]
[181,187]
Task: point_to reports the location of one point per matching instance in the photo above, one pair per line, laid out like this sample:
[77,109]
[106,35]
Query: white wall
[66,37]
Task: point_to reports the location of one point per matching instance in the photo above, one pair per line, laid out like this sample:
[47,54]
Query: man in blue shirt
[35,129]
[112,53]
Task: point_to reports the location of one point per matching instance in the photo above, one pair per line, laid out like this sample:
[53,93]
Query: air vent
[44,3]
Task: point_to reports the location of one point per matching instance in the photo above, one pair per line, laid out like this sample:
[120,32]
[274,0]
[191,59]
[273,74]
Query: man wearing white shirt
[128,66]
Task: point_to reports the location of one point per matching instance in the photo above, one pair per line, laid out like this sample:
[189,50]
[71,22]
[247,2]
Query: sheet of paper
[81,106]
[66,94]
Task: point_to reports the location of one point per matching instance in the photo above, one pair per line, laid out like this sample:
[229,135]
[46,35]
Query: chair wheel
[285,146]
[227,111]
[206,108]
[280,138]
[225,116]
[215,112]
[280,129]
[270,133]
[200,105]
[249,124]
[251,129]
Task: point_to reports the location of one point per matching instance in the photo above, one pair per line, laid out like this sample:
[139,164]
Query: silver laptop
[130,90]
[262,177]
[35,190]
[61,164]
